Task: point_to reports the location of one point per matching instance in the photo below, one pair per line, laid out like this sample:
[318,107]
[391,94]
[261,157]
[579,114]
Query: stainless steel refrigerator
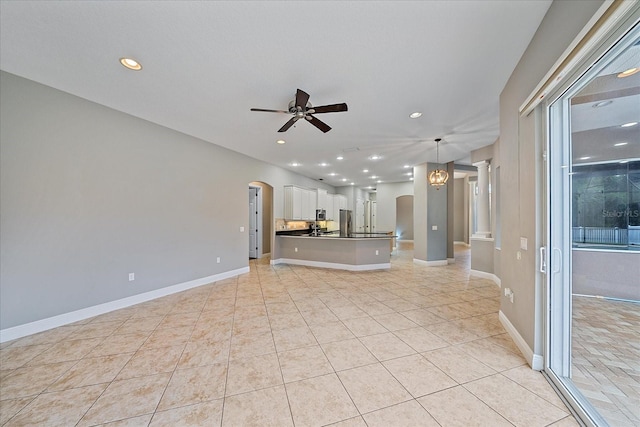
[345,223]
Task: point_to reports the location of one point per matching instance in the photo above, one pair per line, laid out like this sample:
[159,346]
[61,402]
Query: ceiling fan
[300,108]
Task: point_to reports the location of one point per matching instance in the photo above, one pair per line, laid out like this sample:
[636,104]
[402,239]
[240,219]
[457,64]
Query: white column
[484,226]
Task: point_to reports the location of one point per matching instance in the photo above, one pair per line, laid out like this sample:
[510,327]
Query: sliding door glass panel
[593,354]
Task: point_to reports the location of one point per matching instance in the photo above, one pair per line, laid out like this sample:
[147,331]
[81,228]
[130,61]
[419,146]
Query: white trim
[534,360]
[451,260]
[20,331]
[336,266]
[485,275]
[461,243]
[430,263]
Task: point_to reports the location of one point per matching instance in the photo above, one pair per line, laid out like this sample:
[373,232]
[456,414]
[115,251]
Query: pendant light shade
[438,177]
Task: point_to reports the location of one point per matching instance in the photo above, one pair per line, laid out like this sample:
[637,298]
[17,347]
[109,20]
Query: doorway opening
[260,219]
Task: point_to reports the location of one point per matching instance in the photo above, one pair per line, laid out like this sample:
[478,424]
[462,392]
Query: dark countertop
[336,234]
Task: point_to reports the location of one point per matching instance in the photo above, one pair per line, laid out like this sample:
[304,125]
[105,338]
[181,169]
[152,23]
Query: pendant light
[438,177]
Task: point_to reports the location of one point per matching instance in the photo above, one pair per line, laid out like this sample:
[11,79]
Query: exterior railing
[606,235]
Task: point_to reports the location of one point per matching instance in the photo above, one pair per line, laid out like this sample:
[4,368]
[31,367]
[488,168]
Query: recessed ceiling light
[131,64]
[365,170]
[375,157]
[339,158]
[629,72]
[332,174]
[373,177]
[323,164]
[626,125]
[415,115]
[620,144]
[280,141]
[379,181]
[409,173]
[602,104]
[296,164]
[411,179]
[585,158]
[344,179]
[353,183]
[406,166]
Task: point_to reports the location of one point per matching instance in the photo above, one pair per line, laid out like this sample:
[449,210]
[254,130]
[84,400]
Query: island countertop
[337,235]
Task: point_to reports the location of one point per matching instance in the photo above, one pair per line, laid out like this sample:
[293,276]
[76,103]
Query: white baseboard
[20,331]
[536,361]
[485,275]
[335,266]
[431,263]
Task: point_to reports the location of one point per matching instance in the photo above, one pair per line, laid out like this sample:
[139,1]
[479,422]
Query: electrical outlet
[377,252]
[242,229]
[434,227]
[509,294]
[132,277]
[218,260]
[296,249]
[518,255]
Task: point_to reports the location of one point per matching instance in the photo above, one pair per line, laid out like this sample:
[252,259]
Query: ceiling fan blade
[319,124]
[288,124]
[334,108]
[269,111]
[302,98]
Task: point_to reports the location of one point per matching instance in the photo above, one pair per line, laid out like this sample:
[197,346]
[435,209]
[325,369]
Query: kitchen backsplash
[282,224]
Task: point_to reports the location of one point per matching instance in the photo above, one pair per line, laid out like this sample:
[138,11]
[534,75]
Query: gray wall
[89,195]
[520,155]
[436,216]
[404,218]
[458,210]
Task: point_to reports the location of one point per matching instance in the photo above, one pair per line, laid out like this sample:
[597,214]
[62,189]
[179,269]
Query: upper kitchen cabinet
[299,203]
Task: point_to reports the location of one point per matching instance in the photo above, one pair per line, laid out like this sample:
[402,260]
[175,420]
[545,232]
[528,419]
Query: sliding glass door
[593,250]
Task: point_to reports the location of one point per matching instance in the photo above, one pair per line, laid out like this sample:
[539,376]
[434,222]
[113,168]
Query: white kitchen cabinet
[312,196]
[299,203]
[329,207]
[322,199]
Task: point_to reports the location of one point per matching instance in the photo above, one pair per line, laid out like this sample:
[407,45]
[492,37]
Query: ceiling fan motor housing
[293,109]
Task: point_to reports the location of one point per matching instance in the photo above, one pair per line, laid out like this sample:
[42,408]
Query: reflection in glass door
[593,328]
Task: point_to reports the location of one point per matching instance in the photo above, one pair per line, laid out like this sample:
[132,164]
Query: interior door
[253,222]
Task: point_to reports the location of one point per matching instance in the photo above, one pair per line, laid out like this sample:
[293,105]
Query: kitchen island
[355,252]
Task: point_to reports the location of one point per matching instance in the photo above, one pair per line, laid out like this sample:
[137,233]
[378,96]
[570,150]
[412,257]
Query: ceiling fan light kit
[438,177]
[301,108]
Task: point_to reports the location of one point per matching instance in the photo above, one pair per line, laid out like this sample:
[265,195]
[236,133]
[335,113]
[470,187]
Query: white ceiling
[206,63]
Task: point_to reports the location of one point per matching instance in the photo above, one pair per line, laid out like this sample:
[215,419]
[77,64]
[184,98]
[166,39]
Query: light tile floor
[283,346]
[606,357]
